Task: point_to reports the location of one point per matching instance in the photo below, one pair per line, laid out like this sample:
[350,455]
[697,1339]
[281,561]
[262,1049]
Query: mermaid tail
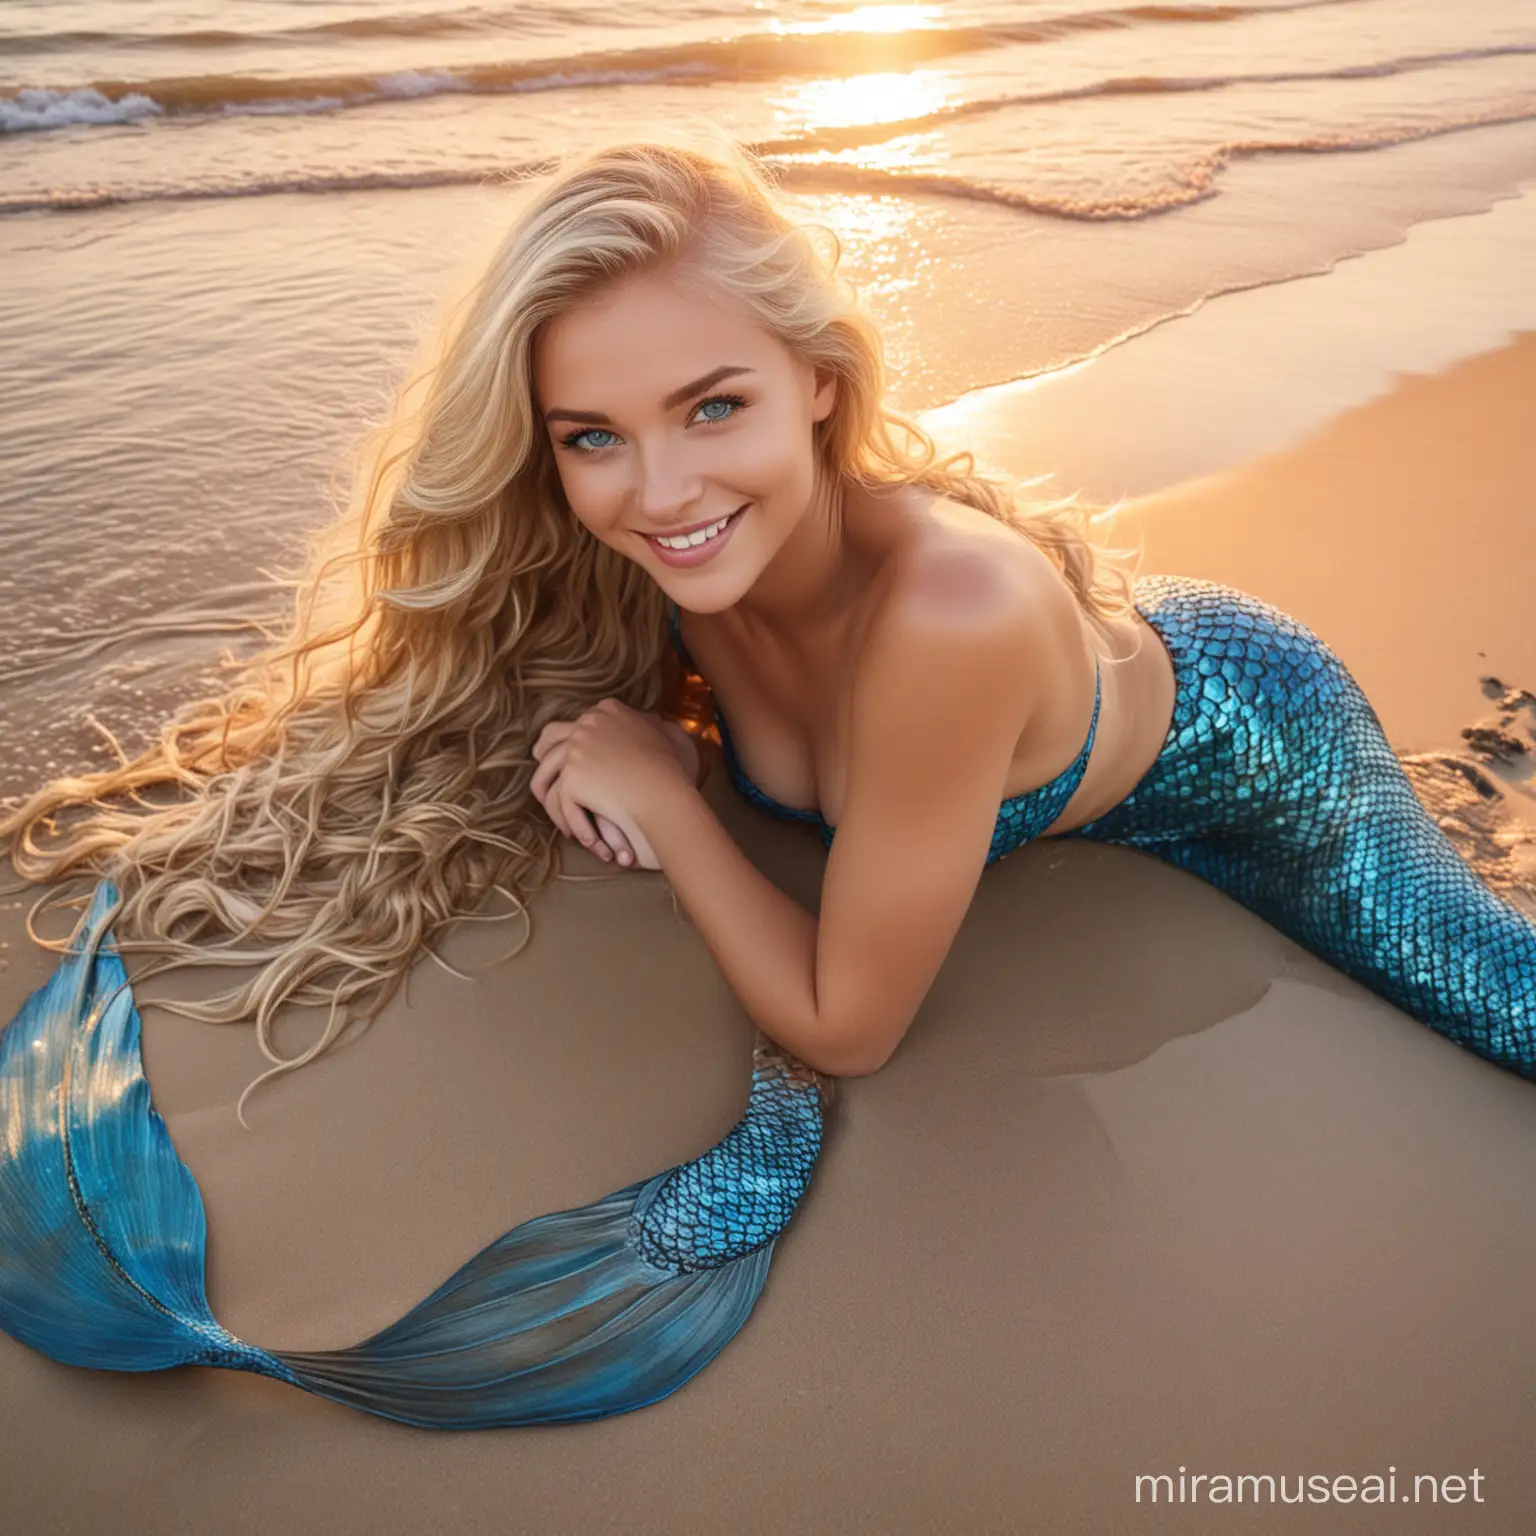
[575,1315]
[1277,785]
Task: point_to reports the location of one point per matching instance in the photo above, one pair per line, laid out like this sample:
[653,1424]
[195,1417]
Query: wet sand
[1146,1188]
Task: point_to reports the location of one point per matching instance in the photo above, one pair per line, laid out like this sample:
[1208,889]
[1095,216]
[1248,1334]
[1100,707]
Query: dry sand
[1147,1186]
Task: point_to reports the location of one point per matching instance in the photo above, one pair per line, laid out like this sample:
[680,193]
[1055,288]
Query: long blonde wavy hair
[363,782]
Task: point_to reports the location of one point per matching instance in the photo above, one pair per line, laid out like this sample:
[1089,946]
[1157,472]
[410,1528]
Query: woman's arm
[942,694]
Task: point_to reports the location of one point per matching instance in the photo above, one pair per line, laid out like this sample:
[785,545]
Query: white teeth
[691,540]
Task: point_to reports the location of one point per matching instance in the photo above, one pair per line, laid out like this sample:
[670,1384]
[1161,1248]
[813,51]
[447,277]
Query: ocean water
[224,223]
[1066,107]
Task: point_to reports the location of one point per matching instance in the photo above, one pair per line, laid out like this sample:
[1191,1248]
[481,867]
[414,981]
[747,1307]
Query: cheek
[590,494]
[591,518]
[776,459]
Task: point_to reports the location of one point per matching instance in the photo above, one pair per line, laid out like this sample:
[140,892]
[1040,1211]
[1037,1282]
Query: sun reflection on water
[892,96]
[871,18]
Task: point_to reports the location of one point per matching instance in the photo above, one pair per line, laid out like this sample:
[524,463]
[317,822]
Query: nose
[668,487]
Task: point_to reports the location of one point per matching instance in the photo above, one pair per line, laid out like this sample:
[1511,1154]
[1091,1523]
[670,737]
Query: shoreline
[1308,440]
[263,401]
[1252,371]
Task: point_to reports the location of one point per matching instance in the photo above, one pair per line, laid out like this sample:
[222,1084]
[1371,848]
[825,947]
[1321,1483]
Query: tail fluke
[561,1319]
[575,1315]
[598,1310]
[102,1229]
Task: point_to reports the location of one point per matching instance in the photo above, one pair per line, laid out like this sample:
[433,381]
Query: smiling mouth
[702,536]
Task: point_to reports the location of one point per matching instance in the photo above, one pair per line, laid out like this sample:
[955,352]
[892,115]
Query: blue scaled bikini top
[1019,819]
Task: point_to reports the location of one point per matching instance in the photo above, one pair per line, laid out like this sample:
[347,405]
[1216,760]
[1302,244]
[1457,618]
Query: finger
[553,810]
[544,774]
[546,796]
[552,734]
[548,771]
[616,840]
[581,823]
[550,737]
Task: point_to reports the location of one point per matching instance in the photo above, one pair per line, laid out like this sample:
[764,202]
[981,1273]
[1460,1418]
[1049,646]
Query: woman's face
[668,411]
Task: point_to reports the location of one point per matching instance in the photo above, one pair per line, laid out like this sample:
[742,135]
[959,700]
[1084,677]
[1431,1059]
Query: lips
[697,554]
[682,533]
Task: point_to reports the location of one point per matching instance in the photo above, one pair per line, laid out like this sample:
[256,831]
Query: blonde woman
[653,449]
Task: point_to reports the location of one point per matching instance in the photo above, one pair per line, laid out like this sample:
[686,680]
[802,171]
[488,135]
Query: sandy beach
[1148,1191]
[1147,1188]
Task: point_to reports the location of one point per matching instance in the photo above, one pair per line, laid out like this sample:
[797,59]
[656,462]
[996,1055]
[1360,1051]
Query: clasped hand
[595,771]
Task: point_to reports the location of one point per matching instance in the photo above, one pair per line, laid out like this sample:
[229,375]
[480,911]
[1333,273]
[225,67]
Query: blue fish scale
[1277,784]
[740,1194]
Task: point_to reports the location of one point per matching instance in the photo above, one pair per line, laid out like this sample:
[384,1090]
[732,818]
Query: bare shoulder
[943,686]
[963,588]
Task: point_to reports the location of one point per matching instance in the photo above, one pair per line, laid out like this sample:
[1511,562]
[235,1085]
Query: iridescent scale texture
[578,1314]
[1277,784]
[741,1193]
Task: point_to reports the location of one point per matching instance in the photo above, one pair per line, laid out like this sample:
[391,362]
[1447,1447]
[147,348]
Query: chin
[719,596]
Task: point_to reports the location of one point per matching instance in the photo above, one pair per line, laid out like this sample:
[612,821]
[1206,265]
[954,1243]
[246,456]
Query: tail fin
[575,1315]
[561,1319]
[101,1223]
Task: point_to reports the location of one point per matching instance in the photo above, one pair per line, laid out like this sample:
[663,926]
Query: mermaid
[646,491]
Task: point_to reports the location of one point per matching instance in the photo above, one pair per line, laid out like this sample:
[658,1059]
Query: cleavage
[777,752]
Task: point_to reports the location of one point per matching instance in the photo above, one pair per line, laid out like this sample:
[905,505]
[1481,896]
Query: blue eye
[573,440]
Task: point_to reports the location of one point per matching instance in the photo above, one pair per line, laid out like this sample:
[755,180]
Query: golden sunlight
[892,96]
[889,18]
[874,18]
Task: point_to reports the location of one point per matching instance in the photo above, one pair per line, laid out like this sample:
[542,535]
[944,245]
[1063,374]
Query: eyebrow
[675,399]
